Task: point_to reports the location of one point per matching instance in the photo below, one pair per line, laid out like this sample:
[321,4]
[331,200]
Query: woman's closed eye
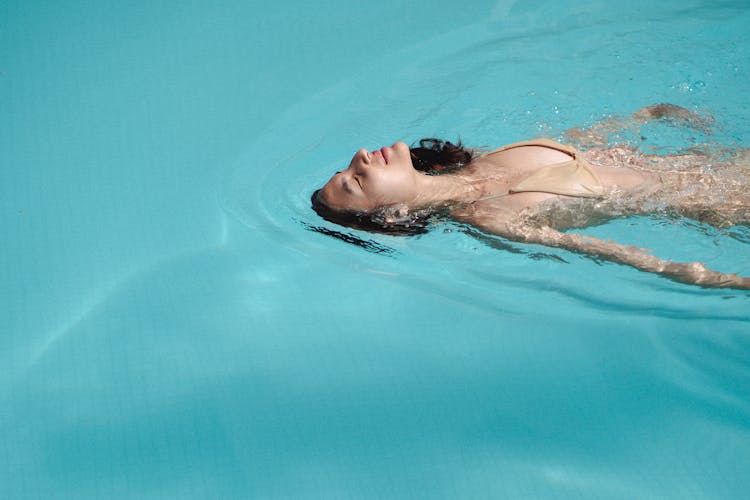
[346,186]
[352,185]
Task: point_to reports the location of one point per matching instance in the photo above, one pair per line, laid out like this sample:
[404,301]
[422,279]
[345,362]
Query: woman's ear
[397,213]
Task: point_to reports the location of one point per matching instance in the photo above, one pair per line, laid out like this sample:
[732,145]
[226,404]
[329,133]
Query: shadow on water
[364,244]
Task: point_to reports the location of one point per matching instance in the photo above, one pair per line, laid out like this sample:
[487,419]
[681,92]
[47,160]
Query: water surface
[173,328]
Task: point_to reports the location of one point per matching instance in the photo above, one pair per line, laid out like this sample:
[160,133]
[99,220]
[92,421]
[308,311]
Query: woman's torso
[500,170]
[633,183]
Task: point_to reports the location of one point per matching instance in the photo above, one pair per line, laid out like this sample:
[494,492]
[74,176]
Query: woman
[531,191]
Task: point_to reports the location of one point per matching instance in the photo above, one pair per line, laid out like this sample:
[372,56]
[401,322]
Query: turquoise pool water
[172,328]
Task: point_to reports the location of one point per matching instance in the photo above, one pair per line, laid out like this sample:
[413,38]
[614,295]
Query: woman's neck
[448,188]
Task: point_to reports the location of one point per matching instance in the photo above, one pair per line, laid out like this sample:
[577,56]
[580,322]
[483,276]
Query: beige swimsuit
[573,177]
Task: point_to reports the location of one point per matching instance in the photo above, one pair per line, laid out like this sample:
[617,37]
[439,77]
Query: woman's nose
[364,154]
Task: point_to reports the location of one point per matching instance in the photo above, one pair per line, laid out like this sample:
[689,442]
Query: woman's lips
[386,154]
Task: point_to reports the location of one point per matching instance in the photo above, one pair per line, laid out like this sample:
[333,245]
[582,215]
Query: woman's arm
[693,273]
[598,134]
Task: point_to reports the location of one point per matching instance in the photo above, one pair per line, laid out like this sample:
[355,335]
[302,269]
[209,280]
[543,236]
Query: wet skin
[374,179]
[479,195]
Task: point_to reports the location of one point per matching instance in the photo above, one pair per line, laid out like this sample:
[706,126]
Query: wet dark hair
[383,220]
[433,157]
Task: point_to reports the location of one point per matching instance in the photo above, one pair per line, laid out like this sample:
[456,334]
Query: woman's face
[373,180]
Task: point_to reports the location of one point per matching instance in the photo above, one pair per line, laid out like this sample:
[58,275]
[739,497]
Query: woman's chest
[496,173]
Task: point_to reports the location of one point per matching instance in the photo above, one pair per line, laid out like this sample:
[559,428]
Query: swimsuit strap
[542,142]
